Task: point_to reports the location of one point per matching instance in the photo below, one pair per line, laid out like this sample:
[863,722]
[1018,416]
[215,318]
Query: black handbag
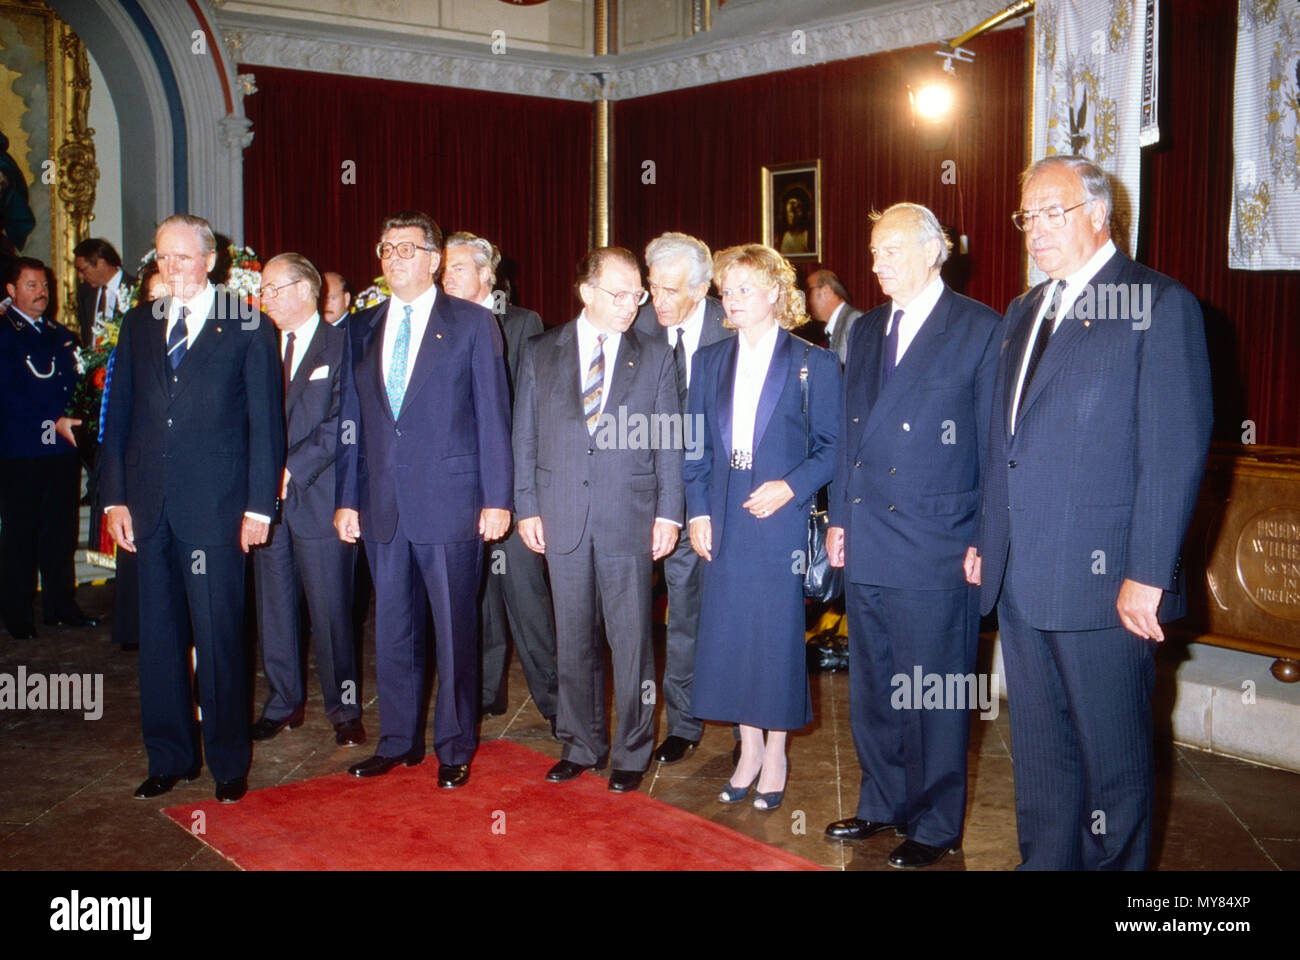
[821,582]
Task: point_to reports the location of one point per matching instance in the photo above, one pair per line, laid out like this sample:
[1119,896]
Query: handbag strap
[803,392]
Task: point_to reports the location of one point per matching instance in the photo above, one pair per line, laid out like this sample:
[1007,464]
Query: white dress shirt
[587,339]
[914,315]
[421,310]
[199,305]
[1074,285]
[106,301]
[751,372]
[689,332]
[301,341]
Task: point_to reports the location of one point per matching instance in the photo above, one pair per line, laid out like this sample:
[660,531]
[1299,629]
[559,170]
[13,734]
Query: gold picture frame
[63,169]
[792,209]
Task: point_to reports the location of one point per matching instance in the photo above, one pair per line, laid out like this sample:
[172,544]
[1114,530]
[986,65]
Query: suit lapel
[209,338]
[152,339]
[436,337]
[778,372]
[726,389]
[371,365]
[566,371]
[629,355]
[920,356]
[865,371]
[1069,334]
[306,365]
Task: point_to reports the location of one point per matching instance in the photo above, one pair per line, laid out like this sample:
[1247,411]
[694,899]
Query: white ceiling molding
[254,41]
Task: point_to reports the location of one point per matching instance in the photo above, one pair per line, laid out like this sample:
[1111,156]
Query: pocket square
[320,373]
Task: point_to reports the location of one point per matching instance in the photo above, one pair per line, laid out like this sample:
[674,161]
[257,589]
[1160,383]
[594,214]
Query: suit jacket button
[857,499]
[591,451]
[175,379]
[169,421]
[399,432]
[1011,464]
[907,426]
[893,470]
[586,483]
[857,463]
[855,419]
[891,508]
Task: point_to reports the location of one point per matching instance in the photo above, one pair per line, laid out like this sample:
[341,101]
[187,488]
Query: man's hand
[769,498]
[120,529]
[663,539]
[493,523]
[1137,606]
[702,537]
[63,427]
[973,565]
[530,532]
[348,524]
[835,546]
[284,484]
[252,533]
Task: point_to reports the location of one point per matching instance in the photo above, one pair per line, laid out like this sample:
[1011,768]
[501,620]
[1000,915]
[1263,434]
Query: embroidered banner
[1264,230]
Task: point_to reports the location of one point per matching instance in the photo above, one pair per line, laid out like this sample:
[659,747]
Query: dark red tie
[288,361]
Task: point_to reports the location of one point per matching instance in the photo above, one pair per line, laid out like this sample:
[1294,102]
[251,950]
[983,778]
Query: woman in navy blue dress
[747,499]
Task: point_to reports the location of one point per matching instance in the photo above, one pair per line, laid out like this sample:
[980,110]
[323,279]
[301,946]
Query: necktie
[679,356]
[396,383]
[594,385]
[178,342]
[1040,343]
[288,361]
[889,359]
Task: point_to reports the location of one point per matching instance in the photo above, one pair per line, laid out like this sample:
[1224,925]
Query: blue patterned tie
[396,382]
[594,385]
[178,341]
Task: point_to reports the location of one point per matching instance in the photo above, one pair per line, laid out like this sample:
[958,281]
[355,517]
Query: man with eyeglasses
[303,557]
[516,600]
[681,314]
[425,479]
[600,498]
[1101,422]
[192,459]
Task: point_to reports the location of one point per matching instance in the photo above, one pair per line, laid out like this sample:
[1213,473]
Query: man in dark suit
[192,458]
[682,315]
[903,510]
[515,597]
[39,468]
[601,499]
[427,480]
[303,555]
[1101,422]
[103,285]
[832,316]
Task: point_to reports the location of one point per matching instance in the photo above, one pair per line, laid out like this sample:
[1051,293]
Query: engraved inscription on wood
[1268,561]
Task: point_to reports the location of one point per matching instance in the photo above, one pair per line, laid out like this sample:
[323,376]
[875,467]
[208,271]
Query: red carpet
[506,818]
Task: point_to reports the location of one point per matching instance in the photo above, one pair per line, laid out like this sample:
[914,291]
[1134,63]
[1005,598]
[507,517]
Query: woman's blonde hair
[772,269]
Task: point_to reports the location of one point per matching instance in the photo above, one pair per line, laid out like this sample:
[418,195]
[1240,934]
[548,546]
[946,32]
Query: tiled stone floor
[66,782]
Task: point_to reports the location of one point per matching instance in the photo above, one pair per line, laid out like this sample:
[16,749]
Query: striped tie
[178,341]
[594,385]
[396,382]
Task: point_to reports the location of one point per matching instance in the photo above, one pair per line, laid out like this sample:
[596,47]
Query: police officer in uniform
[40,473]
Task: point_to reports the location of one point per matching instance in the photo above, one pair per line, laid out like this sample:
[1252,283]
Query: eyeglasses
[1053,216]
[628,298]
[270,293]
[406,250]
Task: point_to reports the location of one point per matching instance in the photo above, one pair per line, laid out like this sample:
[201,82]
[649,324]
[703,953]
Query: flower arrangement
[92,362]
[377,292]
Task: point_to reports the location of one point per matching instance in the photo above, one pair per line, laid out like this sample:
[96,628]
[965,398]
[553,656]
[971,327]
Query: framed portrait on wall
[792,209]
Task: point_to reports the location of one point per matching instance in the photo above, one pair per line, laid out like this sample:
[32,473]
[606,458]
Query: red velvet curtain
[1251,317]
[709,144]
[514,169]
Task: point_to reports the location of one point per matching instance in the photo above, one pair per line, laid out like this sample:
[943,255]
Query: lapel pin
[218,329]
[1087,323]
[438,335]
[630,363]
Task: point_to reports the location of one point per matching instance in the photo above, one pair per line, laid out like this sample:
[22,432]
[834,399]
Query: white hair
[679,246]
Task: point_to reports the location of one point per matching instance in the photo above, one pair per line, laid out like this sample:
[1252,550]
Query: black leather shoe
[349,733]
[74,619]
[624,781]
[565,770]
[157,786]
[377,766]
[855,829]
[265,729]
[910,854]
[674,749]
[130,647]
[232,791]
[494,709]
[453,775]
